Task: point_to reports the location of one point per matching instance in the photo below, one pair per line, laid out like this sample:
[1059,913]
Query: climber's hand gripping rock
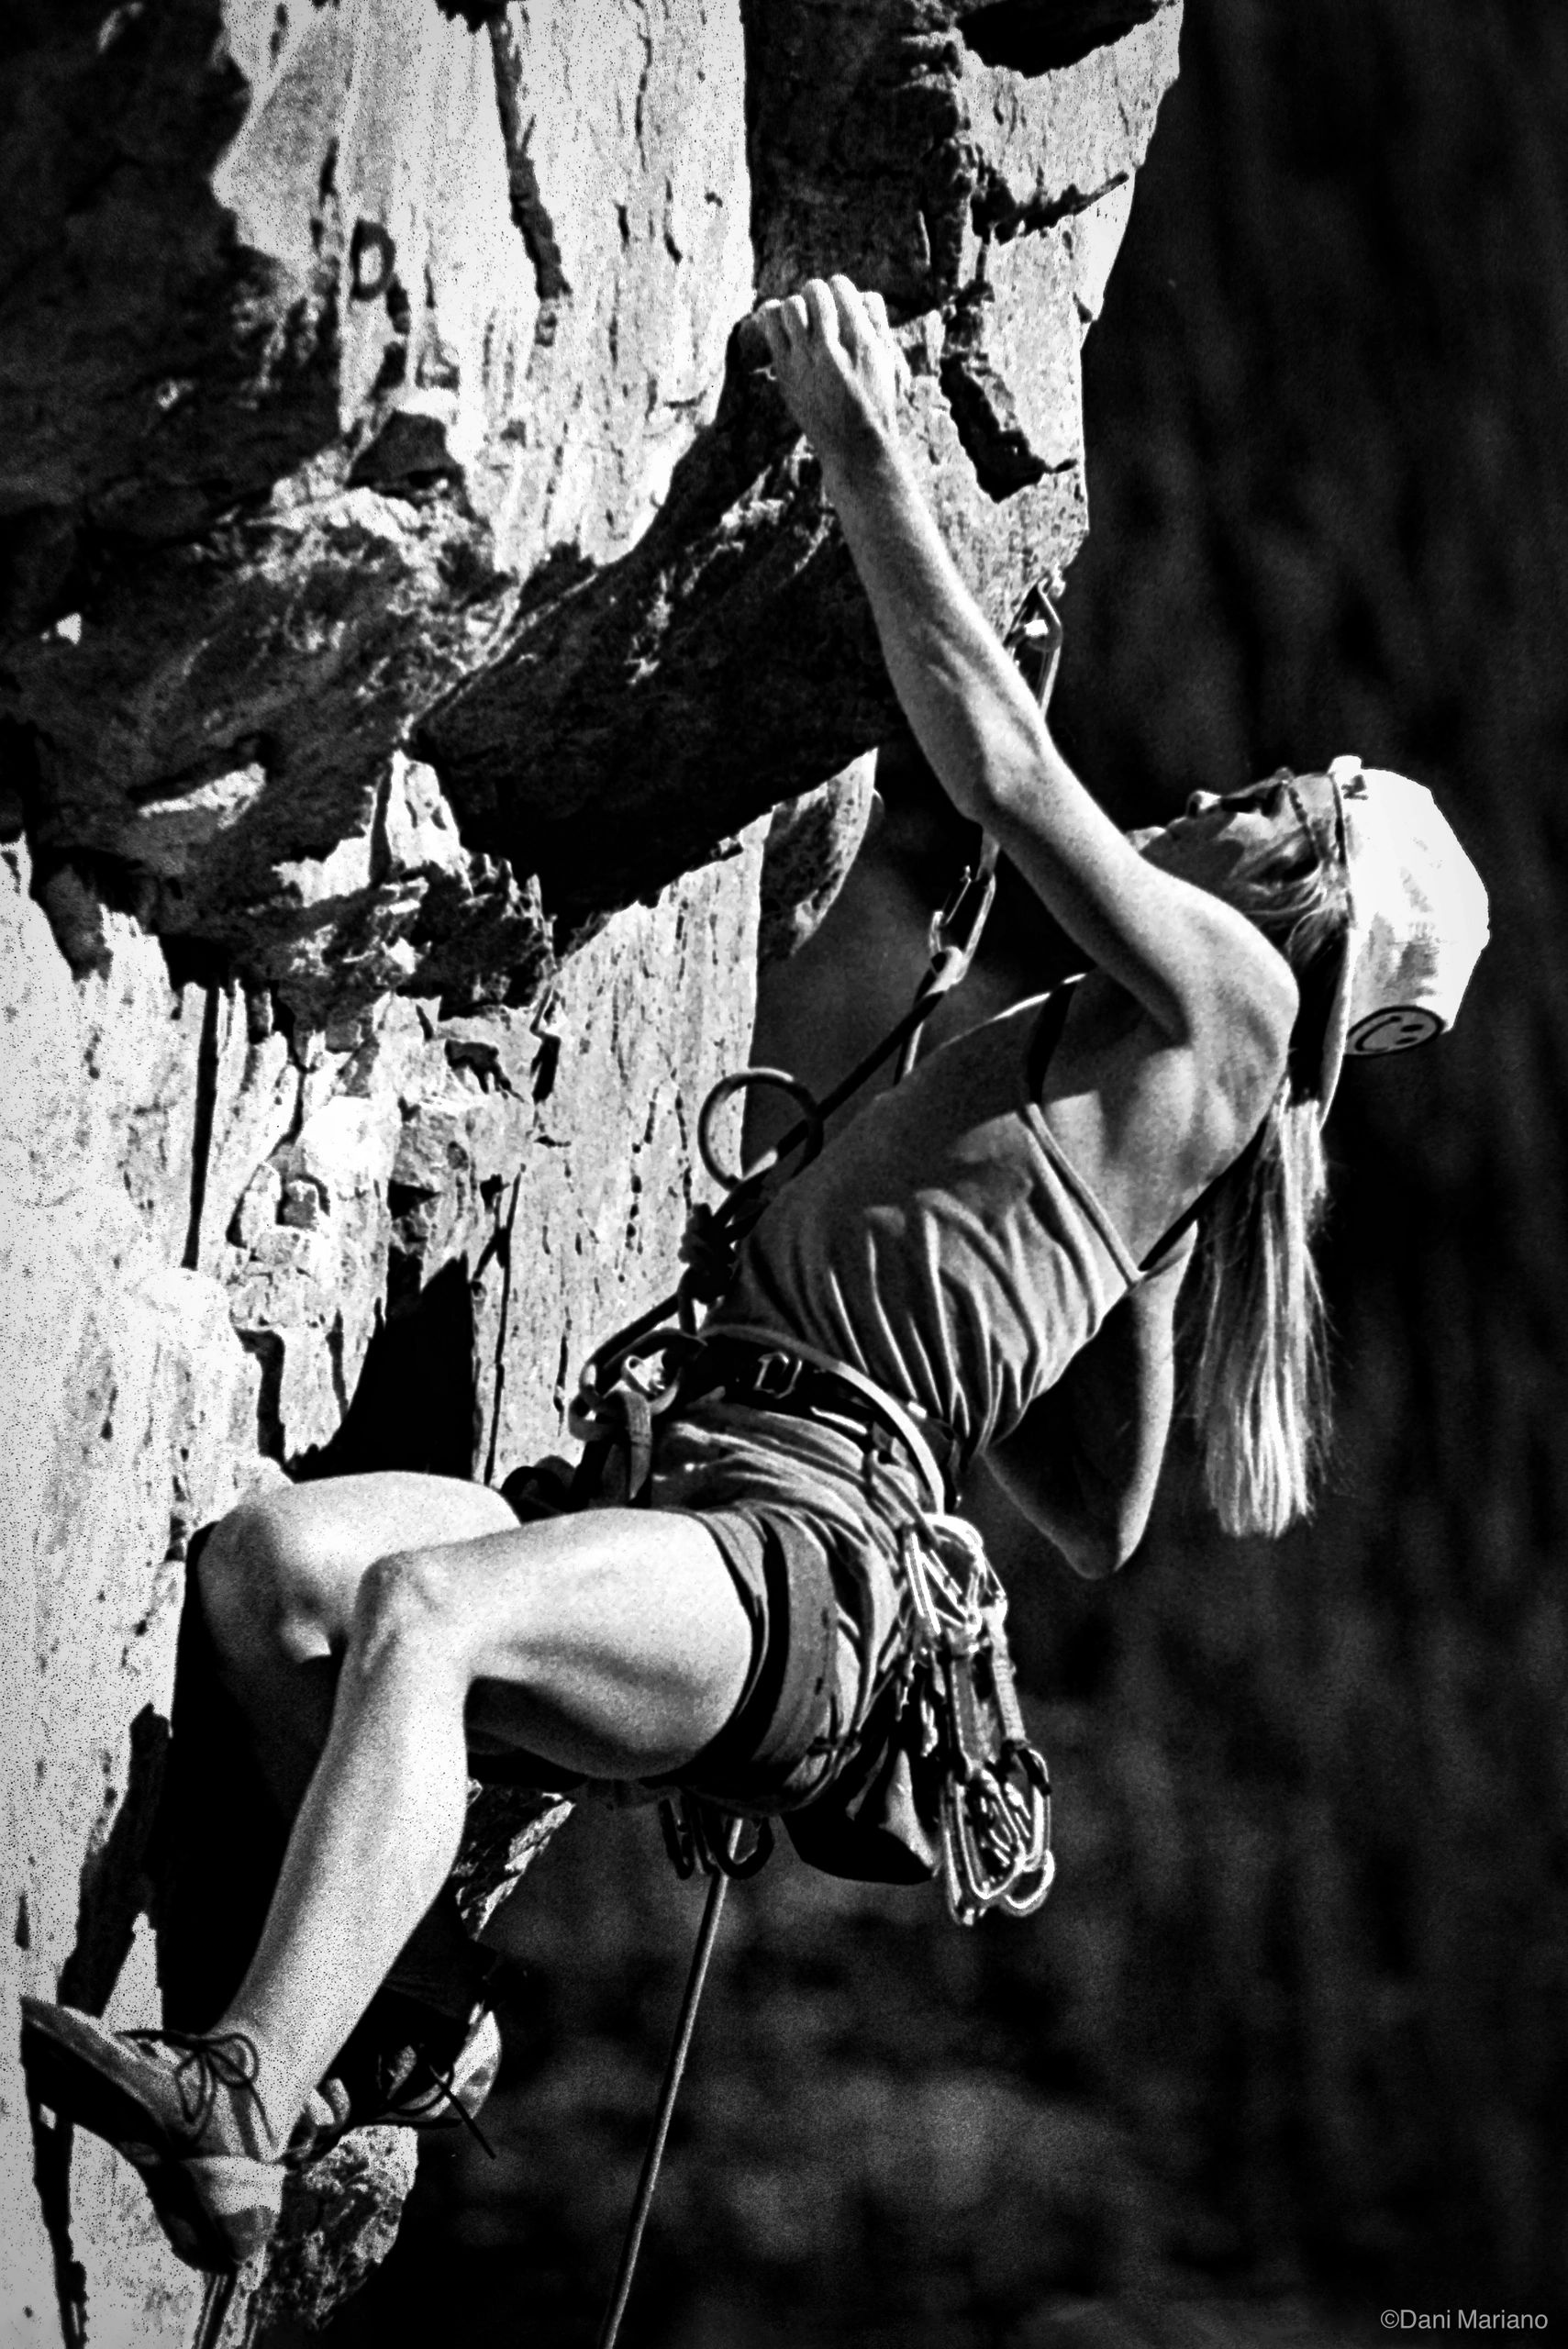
[838,368]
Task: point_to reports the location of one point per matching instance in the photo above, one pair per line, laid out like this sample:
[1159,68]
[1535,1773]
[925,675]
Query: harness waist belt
[743,1364]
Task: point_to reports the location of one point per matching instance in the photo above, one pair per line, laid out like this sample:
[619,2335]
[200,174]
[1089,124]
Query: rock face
[447,299]
[414,601]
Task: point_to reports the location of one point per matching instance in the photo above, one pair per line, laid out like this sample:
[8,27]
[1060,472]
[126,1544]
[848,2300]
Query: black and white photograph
[783,1173]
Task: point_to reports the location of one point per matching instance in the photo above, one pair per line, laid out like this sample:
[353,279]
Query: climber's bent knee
[259,1581]
[408,1596]
[280,1575]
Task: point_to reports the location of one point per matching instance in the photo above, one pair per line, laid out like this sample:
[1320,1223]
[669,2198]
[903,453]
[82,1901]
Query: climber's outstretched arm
[1198,970]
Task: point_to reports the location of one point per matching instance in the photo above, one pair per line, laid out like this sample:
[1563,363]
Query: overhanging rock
[364,391]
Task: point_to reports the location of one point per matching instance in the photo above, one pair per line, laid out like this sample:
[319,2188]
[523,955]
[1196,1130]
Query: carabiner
[1035,634]
[956,930]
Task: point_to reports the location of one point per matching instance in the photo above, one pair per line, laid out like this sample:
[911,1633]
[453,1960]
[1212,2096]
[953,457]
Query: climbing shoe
[182,2107]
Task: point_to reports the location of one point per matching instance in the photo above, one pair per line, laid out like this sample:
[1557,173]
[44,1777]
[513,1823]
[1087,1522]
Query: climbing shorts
[806,1519]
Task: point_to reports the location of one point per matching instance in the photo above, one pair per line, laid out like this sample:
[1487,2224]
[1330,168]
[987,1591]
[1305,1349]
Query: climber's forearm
[986,741]
[966,703]
[975,719]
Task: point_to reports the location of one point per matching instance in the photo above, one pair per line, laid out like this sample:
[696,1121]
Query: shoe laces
[424,2077]
[447,2082]
[411,2090]
[208,2063]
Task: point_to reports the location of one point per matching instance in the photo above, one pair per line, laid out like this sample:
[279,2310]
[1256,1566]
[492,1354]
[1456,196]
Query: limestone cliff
[413,606]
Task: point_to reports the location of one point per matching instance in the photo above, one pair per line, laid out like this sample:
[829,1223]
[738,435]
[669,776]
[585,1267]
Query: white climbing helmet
[1418,919]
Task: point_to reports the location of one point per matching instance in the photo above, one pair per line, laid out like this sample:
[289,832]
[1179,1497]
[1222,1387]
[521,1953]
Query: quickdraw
[995,1789]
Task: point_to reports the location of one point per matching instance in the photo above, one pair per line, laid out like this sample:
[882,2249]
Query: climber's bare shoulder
[1144,1119]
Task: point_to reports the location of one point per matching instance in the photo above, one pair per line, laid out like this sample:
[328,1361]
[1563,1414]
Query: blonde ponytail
[1260,1389]
[1260,1386]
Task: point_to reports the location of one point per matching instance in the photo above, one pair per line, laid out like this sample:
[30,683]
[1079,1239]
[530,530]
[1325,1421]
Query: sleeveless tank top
[944,1244]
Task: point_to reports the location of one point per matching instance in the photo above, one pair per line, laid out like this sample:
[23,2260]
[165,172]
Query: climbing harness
[786,1373]
[956,1688]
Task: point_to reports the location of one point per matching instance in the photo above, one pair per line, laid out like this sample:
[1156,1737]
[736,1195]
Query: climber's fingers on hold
[866,331]
[876,308]
[784,324]
[822,305]
[836,364]
[829,313]
[860,321]
[855,320]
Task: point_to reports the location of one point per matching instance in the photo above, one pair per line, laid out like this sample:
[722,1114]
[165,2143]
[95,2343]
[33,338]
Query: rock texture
[351,352]
[324,328]
[413,600]
[430,1218]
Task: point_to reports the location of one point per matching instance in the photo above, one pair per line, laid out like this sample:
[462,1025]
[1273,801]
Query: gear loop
[699,1834]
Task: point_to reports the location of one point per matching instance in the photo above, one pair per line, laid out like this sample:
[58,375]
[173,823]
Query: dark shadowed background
[1291,2032]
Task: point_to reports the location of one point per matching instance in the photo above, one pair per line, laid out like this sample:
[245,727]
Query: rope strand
[707,1933]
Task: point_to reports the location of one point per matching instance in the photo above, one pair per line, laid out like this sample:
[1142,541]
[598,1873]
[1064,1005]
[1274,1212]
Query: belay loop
[697,1834]
[995,1789]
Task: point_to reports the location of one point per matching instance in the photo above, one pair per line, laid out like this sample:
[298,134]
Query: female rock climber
[998,1246]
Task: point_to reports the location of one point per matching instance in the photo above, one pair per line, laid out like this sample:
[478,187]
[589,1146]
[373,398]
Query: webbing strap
[896,1414]
[218,2294]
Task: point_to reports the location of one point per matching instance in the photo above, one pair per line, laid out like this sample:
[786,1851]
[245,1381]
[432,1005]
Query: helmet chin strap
[1344,774]
[1318,1078]
[1328,839]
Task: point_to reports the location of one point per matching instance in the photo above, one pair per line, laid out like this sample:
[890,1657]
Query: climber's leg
[613,1643]
[278,1579]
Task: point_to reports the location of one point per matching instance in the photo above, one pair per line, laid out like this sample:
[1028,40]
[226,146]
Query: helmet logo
[1396,1030]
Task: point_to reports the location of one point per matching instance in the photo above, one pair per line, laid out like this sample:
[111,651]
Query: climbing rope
[720,1860]
[996,1800]
[217,2296]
